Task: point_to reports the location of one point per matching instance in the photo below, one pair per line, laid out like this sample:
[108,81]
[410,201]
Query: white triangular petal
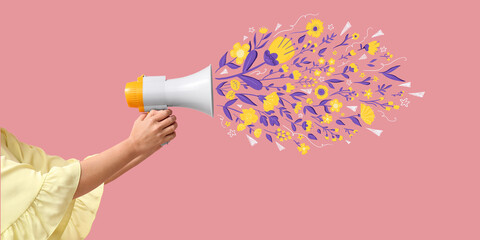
[353,108]
[280,147]
[239,105]
[375,131]
[407,84]
[347,26]
[224,72]
[244,38]
[251,140]
[307,91]
[347,141]
[379,33]
[417,94]
[363,57]
[278,26]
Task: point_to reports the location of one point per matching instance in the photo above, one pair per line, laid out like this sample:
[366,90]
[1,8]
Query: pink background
[64,66]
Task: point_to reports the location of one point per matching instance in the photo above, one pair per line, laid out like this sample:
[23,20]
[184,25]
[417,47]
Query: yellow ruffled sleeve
[37,194]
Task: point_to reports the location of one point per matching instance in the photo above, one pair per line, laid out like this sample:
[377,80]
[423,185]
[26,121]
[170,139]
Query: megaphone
[156,92]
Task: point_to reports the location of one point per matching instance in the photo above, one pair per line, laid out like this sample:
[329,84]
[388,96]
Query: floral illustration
[310,85]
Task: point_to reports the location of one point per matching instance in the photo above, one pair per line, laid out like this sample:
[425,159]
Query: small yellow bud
[396,107]
[388,108]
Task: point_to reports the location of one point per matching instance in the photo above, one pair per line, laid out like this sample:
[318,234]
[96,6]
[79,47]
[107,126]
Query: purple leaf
[232,65]
[310,109]
[323,102]
[230,102]
[227,113]
[251,57]
[311,136]
[326,109]
[268,137]
[392,69]
[355,120]
[294,128]
[393,77]
[339,122]
[223,60]
[263,120]
[274,120]
[245,99]
[268,35]
[251,82]
[297,94]
[298,120]
[220,92]
[300,39]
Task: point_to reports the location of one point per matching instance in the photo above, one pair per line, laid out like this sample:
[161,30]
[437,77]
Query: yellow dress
[37,194]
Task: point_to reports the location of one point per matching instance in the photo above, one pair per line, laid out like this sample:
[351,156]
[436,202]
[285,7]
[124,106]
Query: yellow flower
[355,36]
[309,125]
[309,101]
[241,127]
[230,95]
[328,74]
[271,100]
[372,47]
[367,114]
[263,30]
[321,60]
[240,52]
[235,84]
[327,118]
[227,123]
[315,28]
[368,94]
[257,132]
[284,49]
[331,61]
[298,107]
[285,68]
[248,116]
[282,135]
[375,78]
[352,53]
[334,52]
[289,87]
[317,73]
[296,74]
[354,66]
[331,69]
[303,148]
[336,105]
[300,137]
[362,75]
[321,92]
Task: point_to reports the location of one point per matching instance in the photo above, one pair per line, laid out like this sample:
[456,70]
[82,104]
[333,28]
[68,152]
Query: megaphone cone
[155,92]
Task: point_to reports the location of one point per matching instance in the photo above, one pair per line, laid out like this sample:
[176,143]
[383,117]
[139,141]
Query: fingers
[170,137]
[157,116]
[167,122]
[170,129]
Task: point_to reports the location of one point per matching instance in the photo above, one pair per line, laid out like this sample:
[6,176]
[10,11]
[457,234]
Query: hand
[152,130]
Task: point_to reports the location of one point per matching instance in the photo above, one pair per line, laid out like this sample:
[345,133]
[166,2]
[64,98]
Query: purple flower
[270,58]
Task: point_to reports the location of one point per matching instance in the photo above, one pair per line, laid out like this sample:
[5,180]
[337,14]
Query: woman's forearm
[97,169]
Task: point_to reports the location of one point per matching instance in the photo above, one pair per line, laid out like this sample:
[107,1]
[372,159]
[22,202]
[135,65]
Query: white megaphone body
[156,92]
